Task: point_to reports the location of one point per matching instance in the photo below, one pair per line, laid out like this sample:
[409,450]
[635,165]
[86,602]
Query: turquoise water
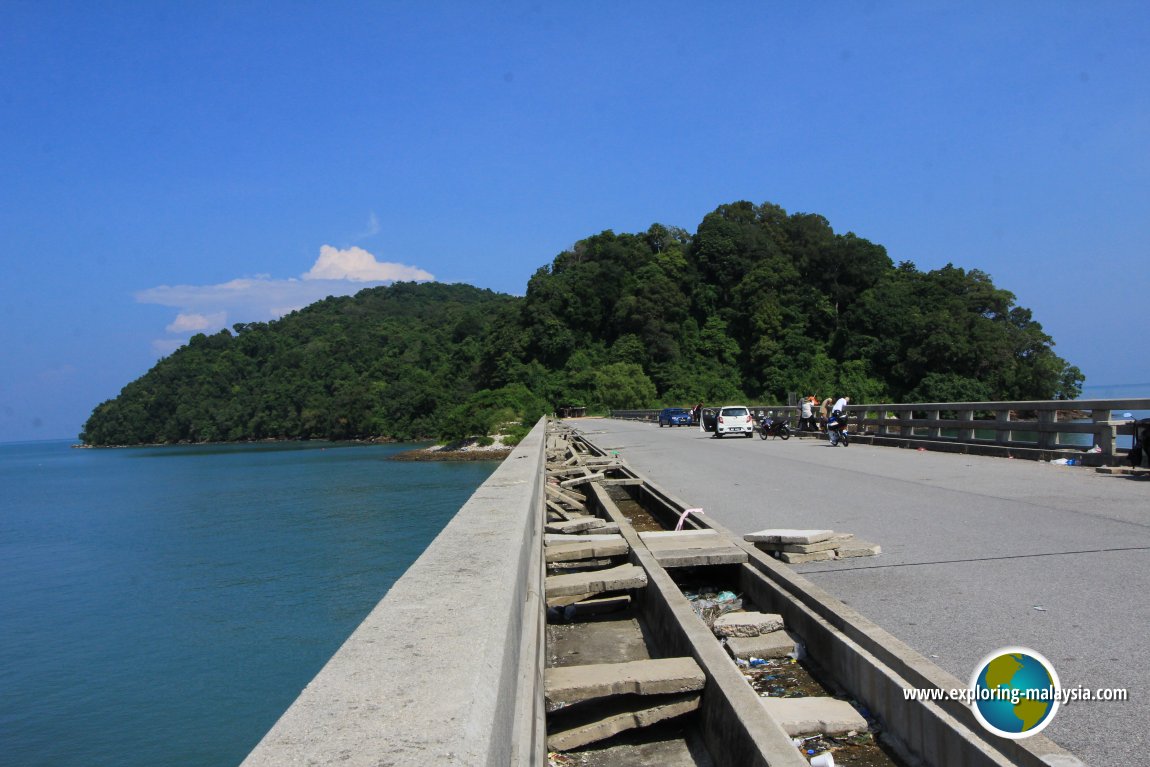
[163,606]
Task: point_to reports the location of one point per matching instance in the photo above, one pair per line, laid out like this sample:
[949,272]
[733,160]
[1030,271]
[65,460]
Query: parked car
[674,416]
[734,419]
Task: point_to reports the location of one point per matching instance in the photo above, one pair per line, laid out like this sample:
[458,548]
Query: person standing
[825,411]
[807,415]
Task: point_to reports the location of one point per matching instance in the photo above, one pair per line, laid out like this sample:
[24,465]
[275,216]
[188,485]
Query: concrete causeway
[978,553]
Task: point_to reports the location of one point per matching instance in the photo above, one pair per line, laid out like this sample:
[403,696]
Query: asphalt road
[977,554]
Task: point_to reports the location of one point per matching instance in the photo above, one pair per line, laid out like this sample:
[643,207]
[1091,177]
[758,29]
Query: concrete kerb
[428,676]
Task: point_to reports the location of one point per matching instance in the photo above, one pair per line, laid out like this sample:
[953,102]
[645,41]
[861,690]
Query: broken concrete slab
[576,565]
[858,549]
[553,539]
[800,717]
[748,624]
[563,513]
[786,535]
[598,725]
[798,559]
[566,552]
[582,480]
[833,542]
[597,606]
[575,525]
[573,684]
[571,498]
[775,644]
[612,579]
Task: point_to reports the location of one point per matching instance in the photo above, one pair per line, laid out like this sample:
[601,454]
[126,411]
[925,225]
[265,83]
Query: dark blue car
[674,416]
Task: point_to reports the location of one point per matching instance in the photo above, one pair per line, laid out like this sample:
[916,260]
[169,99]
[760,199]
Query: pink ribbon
[683,517]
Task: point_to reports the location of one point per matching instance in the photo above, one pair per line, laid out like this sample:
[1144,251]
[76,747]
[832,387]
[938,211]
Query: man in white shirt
[841,405]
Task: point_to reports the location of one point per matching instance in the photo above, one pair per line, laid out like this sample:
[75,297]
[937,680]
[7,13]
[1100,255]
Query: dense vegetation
[755,304]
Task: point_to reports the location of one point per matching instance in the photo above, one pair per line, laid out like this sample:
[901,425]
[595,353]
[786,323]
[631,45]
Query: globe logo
[1015,692]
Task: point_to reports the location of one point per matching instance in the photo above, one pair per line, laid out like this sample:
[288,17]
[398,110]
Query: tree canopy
[756,304]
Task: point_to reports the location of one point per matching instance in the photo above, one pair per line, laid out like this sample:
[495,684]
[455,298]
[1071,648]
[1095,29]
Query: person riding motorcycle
[837,422]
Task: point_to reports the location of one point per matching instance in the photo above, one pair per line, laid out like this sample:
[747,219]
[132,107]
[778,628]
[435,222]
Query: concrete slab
[858,549]
[561,511]
[570,497]
[800,717]
[613,639]
[613,579]
[566,552]
[602,725]
[576,565]
[798,559]
[666,744]
[575,481]
[573,684]
[579,524]
[775,644]
[747,624]
[692,548]
[785,535]
[712,555]
[551,539]
[833,542]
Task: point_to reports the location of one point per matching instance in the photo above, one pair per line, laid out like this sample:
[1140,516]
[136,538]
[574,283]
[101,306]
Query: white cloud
[195,323]
[358,265]
[259,299]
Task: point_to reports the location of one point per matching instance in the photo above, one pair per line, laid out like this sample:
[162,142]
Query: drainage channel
[670,642]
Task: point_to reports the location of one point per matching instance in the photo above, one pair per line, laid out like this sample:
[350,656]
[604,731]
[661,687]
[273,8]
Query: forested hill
[754,304]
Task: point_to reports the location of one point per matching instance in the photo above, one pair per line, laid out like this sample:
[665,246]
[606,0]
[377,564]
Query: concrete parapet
[446,669]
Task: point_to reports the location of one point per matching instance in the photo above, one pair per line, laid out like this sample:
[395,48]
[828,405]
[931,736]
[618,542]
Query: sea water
[163,606]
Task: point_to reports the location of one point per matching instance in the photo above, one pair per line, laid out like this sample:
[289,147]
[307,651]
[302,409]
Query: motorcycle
[837,429]
[769,427]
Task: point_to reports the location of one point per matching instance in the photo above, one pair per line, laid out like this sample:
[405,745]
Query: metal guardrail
[1046,425]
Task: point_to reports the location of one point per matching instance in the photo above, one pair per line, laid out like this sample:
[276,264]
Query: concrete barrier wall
[447,668]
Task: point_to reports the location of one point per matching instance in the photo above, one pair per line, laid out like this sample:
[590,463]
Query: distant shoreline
[466,450]
[439,453]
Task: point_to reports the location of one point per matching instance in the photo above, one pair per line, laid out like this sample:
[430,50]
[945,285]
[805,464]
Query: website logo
[1015,692]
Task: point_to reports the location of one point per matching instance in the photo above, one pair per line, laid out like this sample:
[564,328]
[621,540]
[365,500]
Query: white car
[734,419]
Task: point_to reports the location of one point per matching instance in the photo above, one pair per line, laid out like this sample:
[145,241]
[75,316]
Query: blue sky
[175,167]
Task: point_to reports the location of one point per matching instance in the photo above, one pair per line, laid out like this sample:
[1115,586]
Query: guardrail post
[1047,436]
[1002,433]
[1104,431]
[966,434]
[935,430]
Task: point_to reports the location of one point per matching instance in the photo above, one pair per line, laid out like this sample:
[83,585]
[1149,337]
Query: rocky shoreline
[468,450]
